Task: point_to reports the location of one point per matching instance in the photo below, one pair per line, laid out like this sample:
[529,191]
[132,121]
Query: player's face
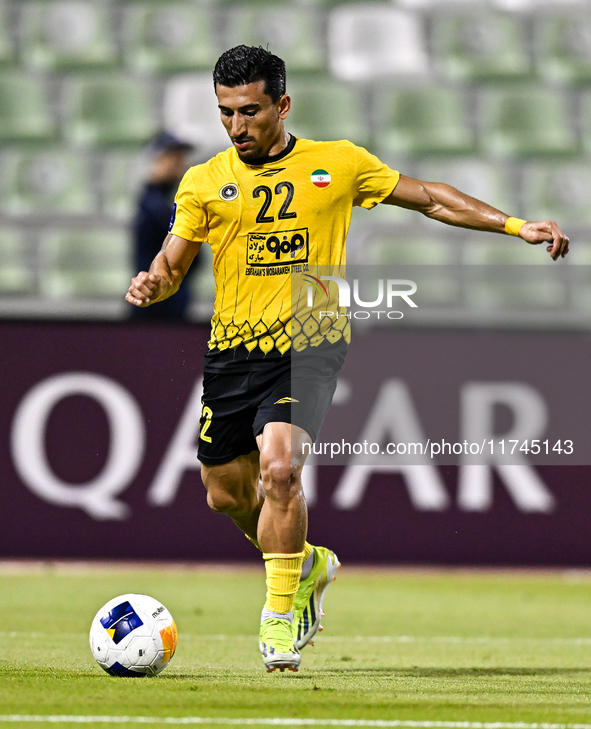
[253,121]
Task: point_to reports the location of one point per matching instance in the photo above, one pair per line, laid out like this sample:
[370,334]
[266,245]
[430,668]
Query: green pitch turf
[430,646]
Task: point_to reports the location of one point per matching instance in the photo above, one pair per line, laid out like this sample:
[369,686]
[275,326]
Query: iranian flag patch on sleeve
[320,178]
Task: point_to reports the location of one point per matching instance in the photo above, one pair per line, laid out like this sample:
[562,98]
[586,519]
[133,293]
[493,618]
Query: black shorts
[239,401]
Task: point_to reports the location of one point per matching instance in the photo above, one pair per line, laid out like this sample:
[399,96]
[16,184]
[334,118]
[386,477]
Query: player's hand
[144,289]
[543,232]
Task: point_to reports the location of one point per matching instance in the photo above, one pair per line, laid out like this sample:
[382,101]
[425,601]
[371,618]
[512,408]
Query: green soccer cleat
[277,646]
[308,604]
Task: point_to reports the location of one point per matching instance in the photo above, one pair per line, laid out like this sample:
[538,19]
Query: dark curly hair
[247,64]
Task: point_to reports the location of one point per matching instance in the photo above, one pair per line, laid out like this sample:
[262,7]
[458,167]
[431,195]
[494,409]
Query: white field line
[442,639]
[78,719]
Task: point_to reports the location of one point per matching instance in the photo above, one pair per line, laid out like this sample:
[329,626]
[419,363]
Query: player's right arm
[166,272]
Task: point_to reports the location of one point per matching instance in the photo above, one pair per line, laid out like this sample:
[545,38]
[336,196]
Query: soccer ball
[133,635]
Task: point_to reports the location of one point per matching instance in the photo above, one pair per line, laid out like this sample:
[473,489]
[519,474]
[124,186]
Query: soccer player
[268,203]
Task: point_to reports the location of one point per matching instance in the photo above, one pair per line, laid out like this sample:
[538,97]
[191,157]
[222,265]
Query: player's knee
[218,498]
[280,475]
[225,496]
[221,501]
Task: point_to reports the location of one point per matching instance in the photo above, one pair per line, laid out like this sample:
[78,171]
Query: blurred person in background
[170,158]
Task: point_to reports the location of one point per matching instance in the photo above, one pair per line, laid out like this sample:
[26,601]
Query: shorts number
[207,414]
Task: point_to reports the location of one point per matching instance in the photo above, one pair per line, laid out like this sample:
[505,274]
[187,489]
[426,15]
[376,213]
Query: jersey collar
[274,157]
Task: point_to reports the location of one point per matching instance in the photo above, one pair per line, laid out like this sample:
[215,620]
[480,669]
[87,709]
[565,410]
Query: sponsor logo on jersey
[320,178]
[285,400]
[270,173]
[282,248]
[229,192]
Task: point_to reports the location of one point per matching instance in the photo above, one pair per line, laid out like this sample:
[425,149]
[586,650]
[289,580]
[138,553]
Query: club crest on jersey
[320,178]
[229,192]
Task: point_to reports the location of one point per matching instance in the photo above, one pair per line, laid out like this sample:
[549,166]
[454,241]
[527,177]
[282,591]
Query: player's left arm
[166,272]
[444,203]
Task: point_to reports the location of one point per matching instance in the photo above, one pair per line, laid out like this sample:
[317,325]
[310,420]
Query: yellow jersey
[268,219]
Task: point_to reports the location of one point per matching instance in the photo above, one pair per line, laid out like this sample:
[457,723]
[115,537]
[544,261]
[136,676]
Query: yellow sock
[283,580]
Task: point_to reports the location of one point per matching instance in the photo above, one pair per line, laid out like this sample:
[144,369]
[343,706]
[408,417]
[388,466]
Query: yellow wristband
[513,225]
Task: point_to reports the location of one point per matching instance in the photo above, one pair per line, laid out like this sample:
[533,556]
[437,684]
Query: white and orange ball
[133,635]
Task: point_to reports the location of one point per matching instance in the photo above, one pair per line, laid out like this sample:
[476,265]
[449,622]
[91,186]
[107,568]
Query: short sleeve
[374,180]
[189,219]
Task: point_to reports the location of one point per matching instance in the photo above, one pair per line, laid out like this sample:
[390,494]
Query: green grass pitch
[399,645]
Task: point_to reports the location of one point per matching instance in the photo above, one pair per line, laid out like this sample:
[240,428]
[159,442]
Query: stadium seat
[525,122]
[109,110]
[67,34]
[423,121]
[7,51]
[514,291]
[16,277]
[439,4]
[558,192]
[293,33]
[191,113]
[563,47]
[475,177]
[407,250]
[579,262]
[580,296]
[326,110]
[534,6]
[586,120]
[480,46]
[175,37]
[423,260]
[504,251]
[85,263]
[386,215]
[46,183]
[120,182]
[203,285]
[509,274]
[580,255]
[369,42]
[24,109]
